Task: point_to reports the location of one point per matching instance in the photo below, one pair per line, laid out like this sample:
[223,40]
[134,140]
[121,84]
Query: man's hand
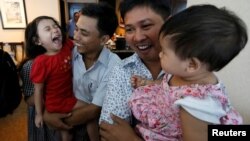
[55,120]
[83,115]
[119,131]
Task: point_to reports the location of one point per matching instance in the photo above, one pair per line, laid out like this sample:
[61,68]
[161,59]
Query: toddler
[195,43]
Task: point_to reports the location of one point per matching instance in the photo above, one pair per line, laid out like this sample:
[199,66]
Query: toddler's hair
[214,36]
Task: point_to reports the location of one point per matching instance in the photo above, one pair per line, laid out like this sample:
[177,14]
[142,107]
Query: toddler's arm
[193,129]
[137,81]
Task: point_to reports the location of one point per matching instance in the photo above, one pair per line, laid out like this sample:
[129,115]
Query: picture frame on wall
[13,14]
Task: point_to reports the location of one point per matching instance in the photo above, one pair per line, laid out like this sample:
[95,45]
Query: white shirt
[90,85]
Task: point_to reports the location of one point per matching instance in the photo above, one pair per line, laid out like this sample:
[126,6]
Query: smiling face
[142,26]
[49,35]
[86,35]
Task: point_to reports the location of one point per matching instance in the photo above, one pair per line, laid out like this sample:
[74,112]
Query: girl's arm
[193,129]
[38,100]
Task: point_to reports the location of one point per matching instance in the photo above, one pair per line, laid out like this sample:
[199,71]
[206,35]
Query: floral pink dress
[155,108]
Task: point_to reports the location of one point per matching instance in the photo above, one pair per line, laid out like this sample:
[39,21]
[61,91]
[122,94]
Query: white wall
[236,75]
[34,8]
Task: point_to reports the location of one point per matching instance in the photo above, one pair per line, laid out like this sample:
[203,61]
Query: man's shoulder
[114,56]
[130,62]
[121,70]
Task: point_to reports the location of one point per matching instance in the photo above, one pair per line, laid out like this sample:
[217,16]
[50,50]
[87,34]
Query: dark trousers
[80,133]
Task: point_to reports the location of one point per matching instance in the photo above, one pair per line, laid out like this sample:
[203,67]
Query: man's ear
[104,39]
[194,64]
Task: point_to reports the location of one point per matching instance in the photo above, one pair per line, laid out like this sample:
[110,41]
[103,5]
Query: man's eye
[146,27]
[128,29]
[84,34]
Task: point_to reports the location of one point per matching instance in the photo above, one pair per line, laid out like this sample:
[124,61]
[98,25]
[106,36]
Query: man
[72,24]
[143,20]
[91,65]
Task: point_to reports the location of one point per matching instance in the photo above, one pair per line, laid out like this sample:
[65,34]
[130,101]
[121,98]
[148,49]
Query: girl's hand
[39,121]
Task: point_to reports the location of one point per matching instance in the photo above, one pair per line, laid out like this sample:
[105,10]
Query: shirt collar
[103,57]
[136,60]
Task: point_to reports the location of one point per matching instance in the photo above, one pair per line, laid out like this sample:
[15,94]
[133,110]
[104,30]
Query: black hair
[214,36]
[75,13]
[107,21]
[32,49]
[161,7]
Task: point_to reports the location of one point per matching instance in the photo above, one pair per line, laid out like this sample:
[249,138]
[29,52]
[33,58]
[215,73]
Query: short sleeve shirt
[119,88]
[90,85]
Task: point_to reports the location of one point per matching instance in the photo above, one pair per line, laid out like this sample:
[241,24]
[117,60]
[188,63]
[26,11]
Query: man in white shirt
[92,63]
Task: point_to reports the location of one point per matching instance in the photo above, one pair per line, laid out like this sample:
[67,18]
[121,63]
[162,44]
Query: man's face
[76,16]
[86,35]
[142,26]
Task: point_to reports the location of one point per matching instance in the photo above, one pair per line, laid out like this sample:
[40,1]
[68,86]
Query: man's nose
[139,35]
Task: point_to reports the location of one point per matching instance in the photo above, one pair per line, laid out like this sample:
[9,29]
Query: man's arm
[54,120]
[83,114]
[78,116]
[119,131]
[118,91]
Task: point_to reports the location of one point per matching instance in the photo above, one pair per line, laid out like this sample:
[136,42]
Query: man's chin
[80,49]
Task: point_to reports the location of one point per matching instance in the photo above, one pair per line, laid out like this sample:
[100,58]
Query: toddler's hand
[137,81]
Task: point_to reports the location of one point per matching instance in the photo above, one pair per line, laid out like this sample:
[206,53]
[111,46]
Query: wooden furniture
[15,49]
[1,45]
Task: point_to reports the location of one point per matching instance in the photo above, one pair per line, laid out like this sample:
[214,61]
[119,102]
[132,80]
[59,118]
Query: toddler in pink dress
[192,97]
[156,106]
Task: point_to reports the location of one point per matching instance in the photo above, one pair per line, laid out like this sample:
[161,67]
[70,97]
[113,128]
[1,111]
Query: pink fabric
[154,107]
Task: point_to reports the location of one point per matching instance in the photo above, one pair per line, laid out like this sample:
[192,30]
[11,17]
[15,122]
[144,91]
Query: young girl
[195,42]
[51,71]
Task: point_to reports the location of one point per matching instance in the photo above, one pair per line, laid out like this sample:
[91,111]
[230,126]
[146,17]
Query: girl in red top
[51,71]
